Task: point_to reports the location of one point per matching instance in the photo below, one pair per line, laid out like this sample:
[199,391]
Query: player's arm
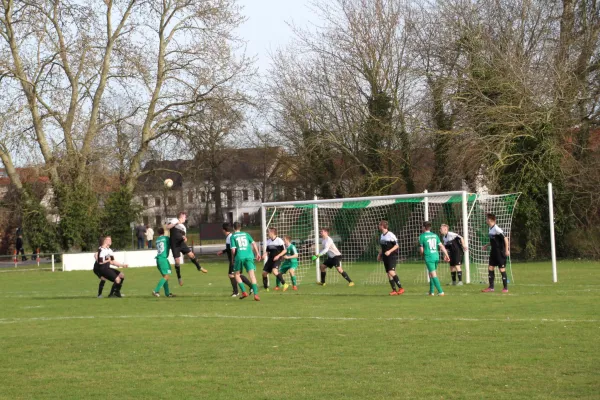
[506,247]
[280,254]
[444,251]
[461,241]
[256,251]
[393,249]
[294,255]
[324,251]
[117,263]
[421,248]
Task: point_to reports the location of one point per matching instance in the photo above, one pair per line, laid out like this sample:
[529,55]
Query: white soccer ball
[168,183]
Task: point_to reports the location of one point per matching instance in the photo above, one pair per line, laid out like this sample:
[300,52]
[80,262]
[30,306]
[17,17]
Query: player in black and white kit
[275,252]
[389,255]
[102,268]
[179,246]
[455,245]
[334,258]
[227,250]
[498,254]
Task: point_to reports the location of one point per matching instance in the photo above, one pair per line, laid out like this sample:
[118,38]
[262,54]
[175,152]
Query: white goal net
[353,225]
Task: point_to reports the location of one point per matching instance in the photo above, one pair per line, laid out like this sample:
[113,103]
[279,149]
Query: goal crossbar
[358,199]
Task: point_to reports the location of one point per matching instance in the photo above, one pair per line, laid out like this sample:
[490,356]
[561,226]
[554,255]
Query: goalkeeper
[334,258]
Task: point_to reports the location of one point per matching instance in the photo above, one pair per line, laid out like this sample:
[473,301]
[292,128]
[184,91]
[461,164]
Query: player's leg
[267,268]
[344,274]
[323,268]
[101,287]
[190,253]
[504,279]
[294,279]
[433,278]
[251,269]
[164,268]
[177,256]
[279,277]
[491,277]
[458,274]
[232,280]
[453,274]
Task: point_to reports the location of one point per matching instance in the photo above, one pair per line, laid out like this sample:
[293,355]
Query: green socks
[167,291]
[255,288]
[431,286]
[294,280]
[436,282]
[161,283]
[242,287]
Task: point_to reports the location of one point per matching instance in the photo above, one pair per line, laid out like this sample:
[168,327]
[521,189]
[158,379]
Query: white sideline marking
[221,316]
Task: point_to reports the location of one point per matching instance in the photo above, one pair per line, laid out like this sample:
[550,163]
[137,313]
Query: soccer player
[500,251]
[163,245]
[243,249]
[389,255]
[179,245]
[455,245]
[430,242]
[275,252]
[105,259]
[334,258]
[227,232]
[290,262]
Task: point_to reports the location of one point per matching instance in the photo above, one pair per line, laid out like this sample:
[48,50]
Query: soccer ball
[168,183]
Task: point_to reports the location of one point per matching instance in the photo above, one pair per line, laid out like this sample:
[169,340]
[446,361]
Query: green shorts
[247,263]
[286,266]
[163,265]
[431,265]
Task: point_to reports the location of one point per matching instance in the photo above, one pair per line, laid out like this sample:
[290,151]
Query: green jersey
[290,251]
[430,243]
[242,243]
[163,245]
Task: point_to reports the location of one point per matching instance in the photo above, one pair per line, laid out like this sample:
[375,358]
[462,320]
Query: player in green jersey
[244,251]
[290,263]
[430,243]
[163,246]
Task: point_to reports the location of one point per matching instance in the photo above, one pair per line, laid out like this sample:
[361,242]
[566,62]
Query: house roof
[27,175]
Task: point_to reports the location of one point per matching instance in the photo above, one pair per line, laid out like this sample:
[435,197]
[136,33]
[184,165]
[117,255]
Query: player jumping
[334,258]
[275,252]
[389,256]
[244,251]
[227,232]
[500,251]
[430,242]
[455,245]
[179,246]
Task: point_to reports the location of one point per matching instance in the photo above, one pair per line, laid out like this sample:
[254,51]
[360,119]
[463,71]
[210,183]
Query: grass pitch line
[288,318]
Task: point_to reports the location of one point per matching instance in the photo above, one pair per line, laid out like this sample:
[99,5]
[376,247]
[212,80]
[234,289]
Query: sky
[266,28]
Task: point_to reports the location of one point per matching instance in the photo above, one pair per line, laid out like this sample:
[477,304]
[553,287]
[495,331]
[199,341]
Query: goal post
[353,224]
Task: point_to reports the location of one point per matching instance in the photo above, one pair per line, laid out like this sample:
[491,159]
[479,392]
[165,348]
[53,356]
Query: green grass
[538,342]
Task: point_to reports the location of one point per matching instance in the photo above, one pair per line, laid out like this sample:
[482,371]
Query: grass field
[540,341]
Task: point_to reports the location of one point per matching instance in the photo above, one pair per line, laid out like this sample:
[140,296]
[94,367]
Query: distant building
[241,178]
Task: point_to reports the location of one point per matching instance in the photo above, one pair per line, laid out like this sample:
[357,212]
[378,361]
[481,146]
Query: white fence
[85,261]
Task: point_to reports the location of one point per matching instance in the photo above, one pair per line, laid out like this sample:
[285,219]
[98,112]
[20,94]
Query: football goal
[353,224]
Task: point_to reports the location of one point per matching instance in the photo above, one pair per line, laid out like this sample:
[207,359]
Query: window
[145,201]
[172,201]
[203,197]
[158,220]
[256,194]
[246,219]
[157,201]
[146,220]
[190,197]
[229,198]
[245,195]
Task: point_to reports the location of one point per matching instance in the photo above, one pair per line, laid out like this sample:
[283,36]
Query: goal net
[353,225]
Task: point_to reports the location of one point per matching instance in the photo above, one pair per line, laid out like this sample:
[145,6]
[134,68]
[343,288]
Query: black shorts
[497,260]
[390,263]
[271,264]
[333,262]
[179,249]
[106,272]
[456,257]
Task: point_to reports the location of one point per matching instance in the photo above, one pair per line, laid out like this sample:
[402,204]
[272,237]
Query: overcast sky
[266,27]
